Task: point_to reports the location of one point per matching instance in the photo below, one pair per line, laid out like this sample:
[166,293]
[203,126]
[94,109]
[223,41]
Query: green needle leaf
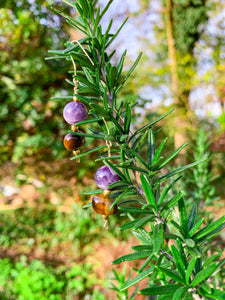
[160,290]
[178,261]
[183,215]
[196,226]
[148,190]
[190,269]
[171,156]
[209,228]
[150,124]
[138,278]
[179,170]
[132,256]
[151,146]
[204,274]
[157,238]
[172,274]
[180,293]
[87,152]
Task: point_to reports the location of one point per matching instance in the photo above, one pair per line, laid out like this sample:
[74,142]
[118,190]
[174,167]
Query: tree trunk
[180,98]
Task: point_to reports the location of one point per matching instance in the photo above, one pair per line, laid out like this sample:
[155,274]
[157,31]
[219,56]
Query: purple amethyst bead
[105,176]
[75,112]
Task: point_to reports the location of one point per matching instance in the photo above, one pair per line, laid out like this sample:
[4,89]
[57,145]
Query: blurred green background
[51,248]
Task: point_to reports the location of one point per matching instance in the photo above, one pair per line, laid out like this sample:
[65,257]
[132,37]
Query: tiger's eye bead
[101,204]
[72,142]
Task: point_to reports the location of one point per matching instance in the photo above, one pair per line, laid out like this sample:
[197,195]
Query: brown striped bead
[101,204]
[73,142]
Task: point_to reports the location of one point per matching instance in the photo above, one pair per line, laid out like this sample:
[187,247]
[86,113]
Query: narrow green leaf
[115,35]
[171,156]
[97,132]
[141,247]
[159,150]
[128,225]
[135,210]
[55,57]
[120,65]
[94,192]
[168,235]
[180,293]
[127,118]
[89,121]
[179,170]
[178,261]
[148,190]
[212,233]
[113,73]
[141,142]
[203,274]
[157,238]
[94,136]
[180,248]
[87,205]
[129,72]
[118,184]
[143,237]
[147,262]
[105,9]
[138,278]
[204,285]
[151,146]
[211,259]
[160,290]
[87,100]
[143,221]
[190,243]
[178,227]
[172,274]
[190,269]
[173,201]
[138,157]
[209,228]
[150,124]
[196,226]
[183,215]
[194,252]
[166,190]
[118,198]
[192,217]
[132,256]
[215,294]
[131,167]
[97,19]
[69,3]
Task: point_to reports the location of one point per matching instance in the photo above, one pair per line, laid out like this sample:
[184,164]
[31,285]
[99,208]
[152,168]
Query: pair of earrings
[74,112]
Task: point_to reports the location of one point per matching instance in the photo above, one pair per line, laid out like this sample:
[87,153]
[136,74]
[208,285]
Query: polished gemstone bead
[101,204]
[72,142]
[105,176]
[75,112]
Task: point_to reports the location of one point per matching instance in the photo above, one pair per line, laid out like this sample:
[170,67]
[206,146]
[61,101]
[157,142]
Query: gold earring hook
[75,41]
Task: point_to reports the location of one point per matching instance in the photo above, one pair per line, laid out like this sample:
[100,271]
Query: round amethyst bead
[75,112]
[105,176]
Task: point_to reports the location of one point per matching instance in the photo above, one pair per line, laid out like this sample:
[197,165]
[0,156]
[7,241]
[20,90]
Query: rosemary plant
[172,242]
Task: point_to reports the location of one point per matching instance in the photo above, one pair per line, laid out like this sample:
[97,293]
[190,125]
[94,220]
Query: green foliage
[29,121]
[33,281]
[142,193]
[187,18]
[198,183]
